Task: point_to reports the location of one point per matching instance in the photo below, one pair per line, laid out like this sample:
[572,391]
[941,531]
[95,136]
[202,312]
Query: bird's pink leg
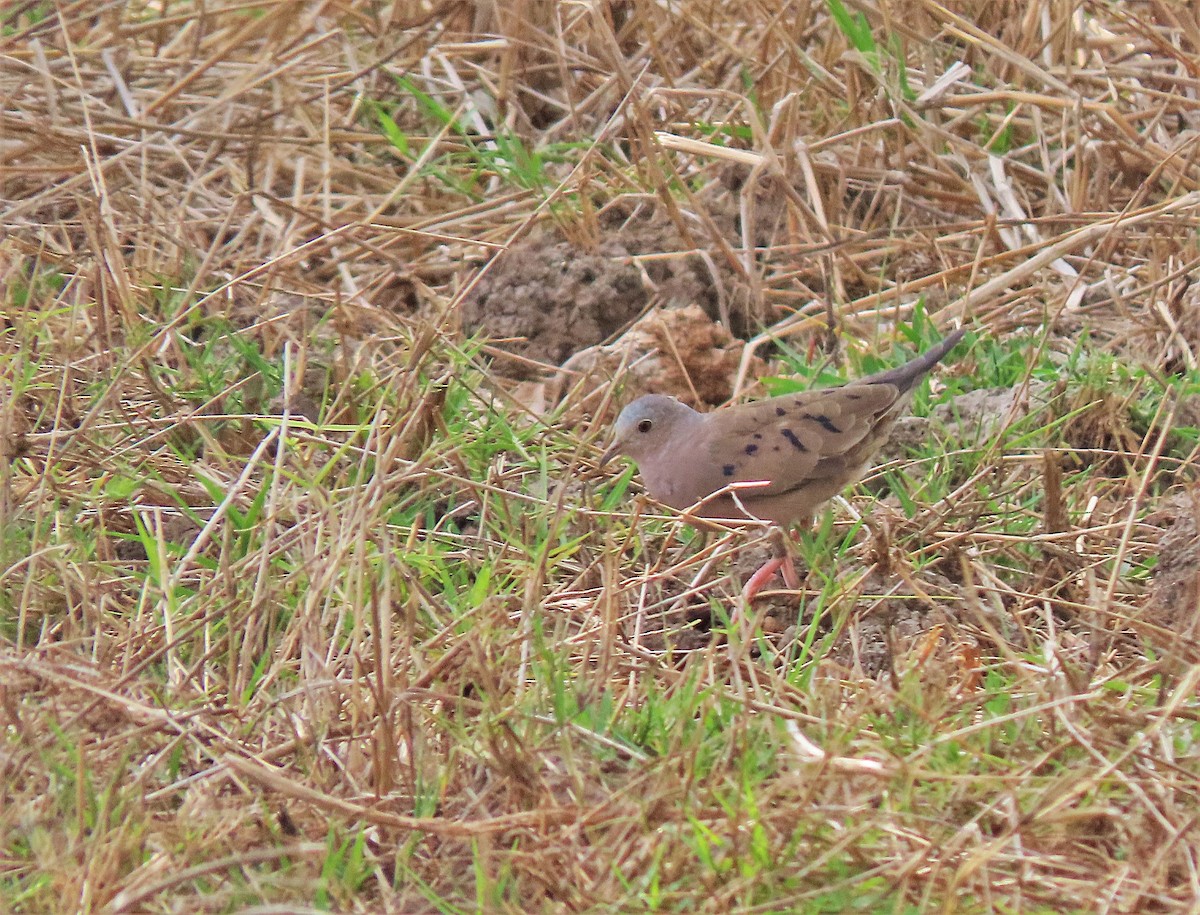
[759,579]
[781,560]
[791,577]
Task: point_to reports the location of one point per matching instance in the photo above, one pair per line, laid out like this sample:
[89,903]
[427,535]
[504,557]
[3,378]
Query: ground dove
[790,453]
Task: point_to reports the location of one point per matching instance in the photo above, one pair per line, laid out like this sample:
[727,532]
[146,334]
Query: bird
[775,460]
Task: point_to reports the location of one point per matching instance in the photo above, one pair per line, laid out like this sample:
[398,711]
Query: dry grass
[390,660]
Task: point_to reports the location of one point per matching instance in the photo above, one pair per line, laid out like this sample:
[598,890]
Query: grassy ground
[305,606]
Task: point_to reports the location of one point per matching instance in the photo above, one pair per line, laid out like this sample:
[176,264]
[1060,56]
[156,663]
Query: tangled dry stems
[391,660]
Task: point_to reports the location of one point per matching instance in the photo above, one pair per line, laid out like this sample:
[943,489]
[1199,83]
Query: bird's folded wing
[787,442]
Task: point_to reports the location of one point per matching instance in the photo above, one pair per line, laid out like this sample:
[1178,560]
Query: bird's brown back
[801,449]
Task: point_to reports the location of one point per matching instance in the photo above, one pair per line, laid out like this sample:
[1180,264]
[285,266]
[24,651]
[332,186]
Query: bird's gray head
[646,425]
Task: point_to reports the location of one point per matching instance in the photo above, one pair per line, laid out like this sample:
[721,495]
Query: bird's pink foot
[760,578]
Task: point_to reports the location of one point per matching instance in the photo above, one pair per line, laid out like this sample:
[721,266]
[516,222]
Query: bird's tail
[906,376]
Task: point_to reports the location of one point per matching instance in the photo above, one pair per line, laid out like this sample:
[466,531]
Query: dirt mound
[547,299]
[1174,602]
[677,351]
[551,296]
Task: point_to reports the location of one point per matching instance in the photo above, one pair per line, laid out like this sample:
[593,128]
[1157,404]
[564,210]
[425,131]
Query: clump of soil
[550,296]
[893,621]
[548,299]
[677,351]
[976,415]
[1174,602]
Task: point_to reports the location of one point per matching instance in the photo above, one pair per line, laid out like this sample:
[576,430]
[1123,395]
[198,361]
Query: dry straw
[418,655]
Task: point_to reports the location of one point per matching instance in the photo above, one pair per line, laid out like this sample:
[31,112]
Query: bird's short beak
[613,450]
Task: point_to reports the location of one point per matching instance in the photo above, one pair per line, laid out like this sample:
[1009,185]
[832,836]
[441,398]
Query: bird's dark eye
[645,425]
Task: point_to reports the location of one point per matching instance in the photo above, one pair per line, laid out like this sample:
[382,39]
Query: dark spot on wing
[758,436]
[750,449]
[850,395]
[728,469]
[780,411]
[791,437]
[824,422]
